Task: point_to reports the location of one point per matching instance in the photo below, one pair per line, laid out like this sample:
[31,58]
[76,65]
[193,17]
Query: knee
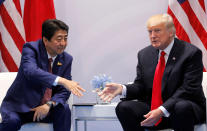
[121,107]
[183,107]
[11,124]
[63,109]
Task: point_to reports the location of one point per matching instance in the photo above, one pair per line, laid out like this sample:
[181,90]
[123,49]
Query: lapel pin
[173,58]
[59,63]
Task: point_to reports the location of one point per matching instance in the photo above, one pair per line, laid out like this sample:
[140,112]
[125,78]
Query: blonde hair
[162,19]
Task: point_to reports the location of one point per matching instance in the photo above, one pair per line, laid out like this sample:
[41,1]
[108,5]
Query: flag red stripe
[7,58]
[195,23]
[11,28]
[18,6]
[41,10]
[202,4]
[180,32]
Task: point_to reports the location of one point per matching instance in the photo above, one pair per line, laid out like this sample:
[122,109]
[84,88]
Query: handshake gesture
[102,84]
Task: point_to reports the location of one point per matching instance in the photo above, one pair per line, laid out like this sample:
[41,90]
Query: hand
[152,117]
[110,91]
[40,112]
[72,86]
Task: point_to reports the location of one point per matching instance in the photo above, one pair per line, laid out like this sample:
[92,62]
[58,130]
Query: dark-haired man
[43,83]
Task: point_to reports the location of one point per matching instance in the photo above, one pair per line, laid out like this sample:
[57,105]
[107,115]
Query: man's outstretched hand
[110,91]
[72,86]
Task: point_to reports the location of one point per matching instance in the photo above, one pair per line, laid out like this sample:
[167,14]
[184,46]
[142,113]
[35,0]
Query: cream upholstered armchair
[6,79]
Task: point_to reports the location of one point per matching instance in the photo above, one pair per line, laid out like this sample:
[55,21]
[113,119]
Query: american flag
[12,35]
[15,31]
[190,20]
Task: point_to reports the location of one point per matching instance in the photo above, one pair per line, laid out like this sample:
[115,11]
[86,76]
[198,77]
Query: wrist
[62,81]
[50,104]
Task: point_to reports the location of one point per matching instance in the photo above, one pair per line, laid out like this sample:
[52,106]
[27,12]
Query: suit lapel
[43,56]
[155,52]
[172,59]
[58,63]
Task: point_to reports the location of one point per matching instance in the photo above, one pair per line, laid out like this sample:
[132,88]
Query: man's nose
[63,42]
[153,34]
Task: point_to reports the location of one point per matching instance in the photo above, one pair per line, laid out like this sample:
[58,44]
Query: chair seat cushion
[37,127]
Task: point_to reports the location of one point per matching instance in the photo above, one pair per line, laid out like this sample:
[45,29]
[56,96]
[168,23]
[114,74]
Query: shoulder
[33,44]
[147,51]
[186,47]
[66,57]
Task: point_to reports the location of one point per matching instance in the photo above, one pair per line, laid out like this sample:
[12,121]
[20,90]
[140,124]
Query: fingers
[147,115]
[111,85]
[108,98]
[81,89]
[35,116]
[74,87]
[151,118]
[38,116]
[147,122]
[33,109]
[77,91]
[104,92]
[40,112]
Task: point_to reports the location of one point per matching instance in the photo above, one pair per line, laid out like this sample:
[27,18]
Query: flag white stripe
[201,15]
[183,19]
[15,16]
[205,3]
[9,44]
[3,67]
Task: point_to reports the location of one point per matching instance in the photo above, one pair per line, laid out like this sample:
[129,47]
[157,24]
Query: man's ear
[172,34]
[45,40]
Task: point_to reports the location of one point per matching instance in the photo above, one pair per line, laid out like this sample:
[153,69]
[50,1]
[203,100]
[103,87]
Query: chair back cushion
[6,79]
[204,83]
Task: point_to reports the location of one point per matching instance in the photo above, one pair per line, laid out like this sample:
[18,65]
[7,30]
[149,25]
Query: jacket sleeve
[31,69]
[136,89]
[60,93]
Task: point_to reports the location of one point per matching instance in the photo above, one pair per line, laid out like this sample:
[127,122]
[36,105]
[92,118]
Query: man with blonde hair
[167,86]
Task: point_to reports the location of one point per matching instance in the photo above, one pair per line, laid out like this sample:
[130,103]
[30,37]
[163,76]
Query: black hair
[50,26]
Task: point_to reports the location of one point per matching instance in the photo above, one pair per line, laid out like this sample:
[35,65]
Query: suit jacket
[33,78]
[182,76]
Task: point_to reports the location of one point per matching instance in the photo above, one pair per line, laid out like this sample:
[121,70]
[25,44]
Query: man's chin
[156,46]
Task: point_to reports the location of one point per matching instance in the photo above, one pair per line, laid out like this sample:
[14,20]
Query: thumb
[147,115]
[33,109]
[109,84]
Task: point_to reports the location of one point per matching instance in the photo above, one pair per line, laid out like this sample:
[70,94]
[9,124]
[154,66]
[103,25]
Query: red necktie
[48,91]
[157,84]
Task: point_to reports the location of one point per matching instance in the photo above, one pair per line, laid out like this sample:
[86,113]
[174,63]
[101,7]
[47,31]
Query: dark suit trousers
[60,116]
[131,114]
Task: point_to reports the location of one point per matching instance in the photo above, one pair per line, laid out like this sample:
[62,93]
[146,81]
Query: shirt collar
[49,56]
[169,47]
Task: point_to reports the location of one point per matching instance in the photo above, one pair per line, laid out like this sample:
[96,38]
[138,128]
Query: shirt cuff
[56,81]
[166,113]
[123,94]
[56,103]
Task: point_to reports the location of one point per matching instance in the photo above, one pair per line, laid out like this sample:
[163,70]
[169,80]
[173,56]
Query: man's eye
[158,30]
[59,40]
[149,31]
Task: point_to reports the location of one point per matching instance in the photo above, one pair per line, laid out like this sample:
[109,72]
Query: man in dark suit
[40,92]
[182,101]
